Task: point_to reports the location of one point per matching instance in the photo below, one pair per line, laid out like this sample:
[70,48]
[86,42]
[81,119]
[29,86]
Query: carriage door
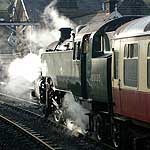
[85,65]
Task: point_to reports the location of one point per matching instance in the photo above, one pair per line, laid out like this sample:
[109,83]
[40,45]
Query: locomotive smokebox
[65,34]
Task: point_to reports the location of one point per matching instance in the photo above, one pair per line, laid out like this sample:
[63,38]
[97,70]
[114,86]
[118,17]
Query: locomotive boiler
[103,66]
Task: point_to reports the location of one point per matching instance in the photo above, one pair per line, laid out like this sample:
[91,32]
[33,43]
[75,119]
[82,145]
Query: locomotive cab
[91,61]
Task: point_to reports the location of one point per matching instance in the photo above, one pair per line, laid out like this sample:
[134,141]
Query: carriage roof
[137,27]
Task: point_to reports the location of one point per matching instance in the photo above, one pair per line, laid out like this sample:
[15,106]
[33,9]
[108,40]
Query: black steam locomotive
[101,70]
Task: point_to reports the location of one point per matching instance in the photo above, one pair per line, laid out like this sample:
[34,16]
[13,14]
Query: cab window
[86,45]
[77,50]
[100,44]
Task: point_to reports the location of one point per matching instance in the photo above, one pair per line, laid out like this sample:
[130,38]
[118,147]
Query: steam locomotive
[106,66]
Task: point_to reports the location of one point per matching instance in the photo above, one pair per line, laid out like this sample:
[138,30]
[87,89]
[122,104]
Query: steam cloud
[75,112]
[22,73]
[27,68]
[53,21]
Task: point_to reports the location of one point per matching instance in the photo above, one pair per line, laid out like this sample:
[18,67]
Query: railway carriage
[130,81]
[131,70]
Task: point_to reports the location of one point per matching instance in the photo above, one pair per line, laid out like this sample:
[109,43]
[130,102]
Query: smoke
[75,114]
[22,73]
[52,21]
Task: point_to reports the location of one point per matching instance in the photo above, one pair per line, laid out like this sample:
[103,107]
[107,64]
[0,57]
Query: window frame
[130,54]
[148,58]
[100,44]
[77,50]
[116,65]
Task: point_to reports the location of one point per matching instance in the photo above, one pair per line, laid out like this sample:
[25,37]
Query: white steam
[22,73]
[75,113]
[53,21]
[28,68]
[18,87]
[43,37]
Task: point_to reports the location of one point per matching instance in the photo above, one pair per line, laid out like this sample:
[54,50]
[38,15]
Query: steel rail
[29,112]
[19,99]
[46,146]
[18,24]
[61,126]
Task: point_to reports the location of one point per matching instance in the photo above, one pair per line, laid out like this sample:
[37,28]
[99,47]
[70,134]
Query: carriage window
[116,54]
[148,66]
[131,65]
[131,50]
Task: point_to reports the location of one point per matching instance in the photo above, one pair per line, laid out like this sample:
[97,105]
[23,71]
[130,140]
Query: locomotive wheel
[98,127]
[57,115]
[116,135]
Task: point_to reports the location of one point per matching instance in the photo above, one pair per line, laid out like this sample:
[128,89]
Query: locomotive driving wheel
[57,115]
[116,135]
[121,134]
[98,127]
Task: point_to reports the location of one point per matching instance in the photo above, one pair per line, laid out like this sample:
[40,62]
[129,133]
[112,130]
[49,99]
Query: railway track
[41,128]
[15,137]
[52,134]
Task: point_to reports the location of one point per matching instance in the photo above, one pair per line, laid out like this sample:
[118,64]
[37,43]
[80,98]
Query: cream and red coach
[131,70]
